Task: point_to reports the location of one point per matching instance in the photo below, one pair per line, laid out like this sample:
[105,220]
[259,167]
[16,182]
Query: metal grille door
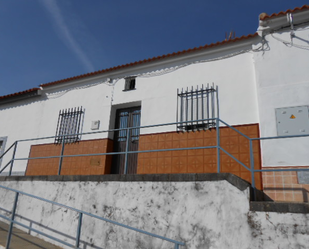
[126,118]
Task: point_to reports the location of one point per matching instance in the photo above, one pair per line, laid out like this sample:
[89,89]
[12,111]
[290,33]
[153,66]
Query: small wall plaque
[95,162]
[95,125]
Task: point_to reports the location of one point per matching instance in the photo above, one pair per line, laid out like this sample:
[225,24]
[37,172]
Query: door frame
[118,162]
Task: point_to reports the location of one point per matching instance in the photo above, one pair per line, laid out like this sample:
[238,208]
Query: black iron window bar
[69,125]
[194,105]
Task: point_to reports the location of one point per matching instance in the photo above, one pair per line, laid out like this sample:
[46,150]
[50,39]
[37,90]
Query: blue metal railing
[79,226]
[218,148]
[126,152]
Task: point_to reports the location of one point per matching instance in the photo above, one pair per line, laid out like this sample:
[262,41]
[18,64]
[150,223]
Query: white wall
[282,77]
[37,117]
[234,77]
[201,214]
[156,91]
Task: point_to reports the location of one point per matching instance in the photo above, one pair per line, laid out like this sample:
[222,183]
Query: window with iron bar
[69,125]
[197,108]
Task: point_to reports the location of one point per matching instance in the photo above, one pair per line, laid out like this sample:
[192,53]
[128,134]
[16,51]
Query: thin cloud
[64,32]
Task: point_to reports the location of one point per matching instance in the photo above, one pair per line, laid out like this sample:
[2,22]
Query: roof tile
[285,12]
[19,93]
[149,60]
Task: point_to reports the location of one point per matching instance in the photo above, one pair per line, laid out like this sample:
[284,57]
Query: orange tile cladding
[87,165]
[284,186]
[165,162]
[200,160]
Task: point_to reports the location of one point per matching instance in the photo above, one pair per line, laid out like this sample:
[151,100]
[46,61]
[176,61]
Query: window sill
[128,90]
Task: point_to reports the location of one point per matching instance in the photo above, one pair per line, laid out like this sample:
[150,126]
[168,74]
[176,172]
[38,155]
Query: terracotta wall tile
[210,152]
[201,160]
[164,165]
[195,164]
[195,135]
[71,165]
[140,166]
[285,186]
[150,166]
[179,164]
[183,143]
[195,161]
[210,142]
[210,168]
[212,133]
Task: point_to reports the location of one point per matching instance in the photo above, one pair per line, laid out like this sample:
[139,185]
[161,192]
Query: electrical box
[292,120]
[95,125]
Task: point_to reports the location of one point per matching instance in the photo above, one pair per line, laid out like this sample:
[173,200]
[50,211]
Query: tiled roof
[305,7]
[19,93]
[150,60]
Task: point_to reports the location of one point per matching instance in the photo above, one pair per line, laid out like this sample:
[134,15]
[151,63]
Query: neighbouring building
[258,84]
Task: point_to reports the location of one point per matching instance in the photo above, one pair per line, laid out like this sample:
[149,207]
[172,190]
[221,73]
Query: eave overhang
[27,94]
[131,68]
[278,21]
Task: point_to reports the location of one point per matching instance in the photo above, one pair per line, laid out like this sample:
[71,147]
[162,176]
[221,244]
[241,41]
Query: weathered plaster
[282,81]
[202,214]
[277,230]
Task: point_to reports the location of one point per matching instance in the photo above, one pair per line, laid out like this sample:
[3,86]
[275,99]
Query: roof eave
[35,92]
[270,24]
[129,69]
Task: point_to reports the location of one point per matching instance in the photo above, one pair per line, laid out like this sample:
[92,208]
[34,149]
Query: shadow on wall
[288,194]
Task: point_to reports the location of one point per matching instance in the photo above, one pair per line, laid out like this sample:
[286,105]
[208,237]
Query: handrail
[177,243]
[234,129]
[113,130]
[5,166]
[8,149]
[121,153]
[251,169]
[230,155]
[217,146]
[279,137]
[36,231]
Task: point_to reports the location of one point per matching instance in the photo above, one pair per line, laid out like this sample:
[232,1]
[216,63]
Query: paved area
[22,240]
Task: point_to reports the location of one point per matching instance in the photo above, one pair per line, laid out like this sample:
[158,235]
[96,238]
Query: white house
[258,84]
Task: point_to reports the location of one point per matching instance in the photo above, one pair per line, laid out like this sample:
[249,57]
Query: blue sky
[47,40]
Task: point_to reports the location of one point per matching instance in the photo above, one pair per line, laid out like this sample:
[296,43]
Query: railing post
[61,155]
[13,158]
[8,240]
[176,246]
[79,228]
[126,155]
[218,145]
[252,169]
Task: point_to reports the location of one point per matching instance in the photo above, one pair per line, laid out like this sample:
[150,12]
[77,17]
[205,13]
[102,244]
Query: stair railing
[218,147]
[79,226]
[252,169]
[11,162]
